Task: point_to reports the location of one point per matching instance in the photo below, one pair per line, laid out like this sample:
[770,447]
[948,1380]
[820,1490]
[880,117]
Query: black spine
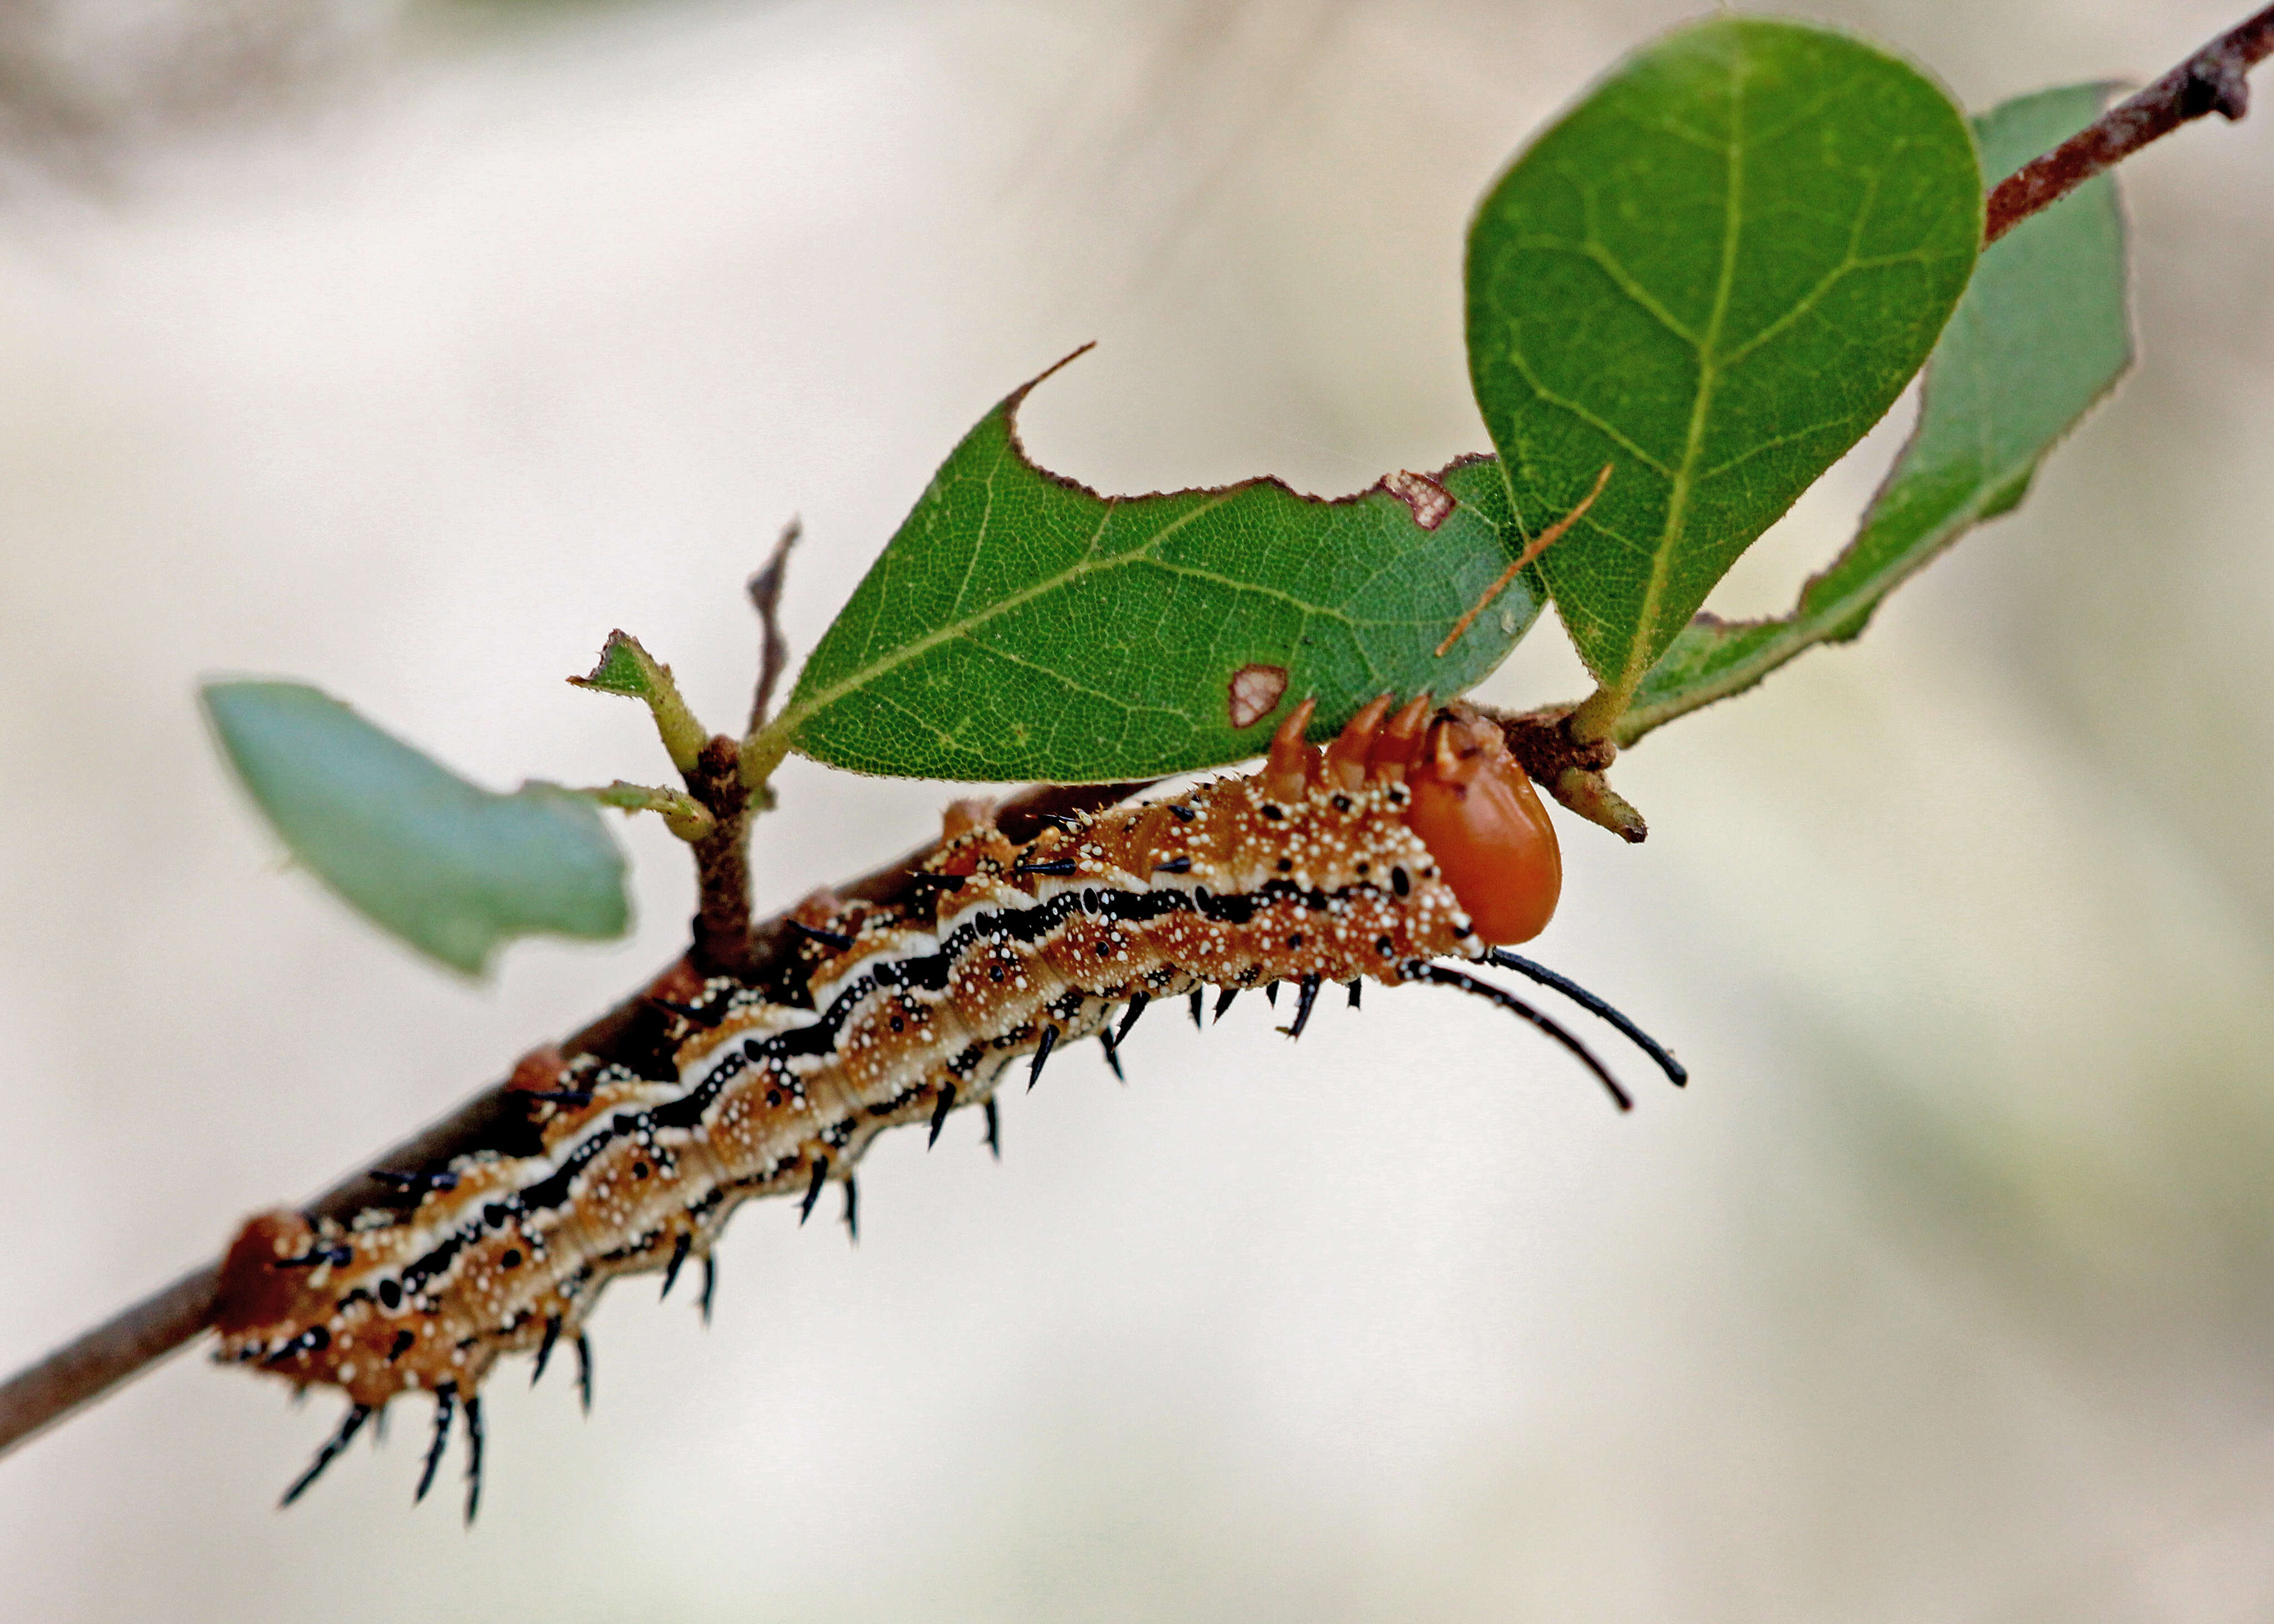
[1042,1053]
[545,1349]
[350,1425]
[1305,999]
[446,1403]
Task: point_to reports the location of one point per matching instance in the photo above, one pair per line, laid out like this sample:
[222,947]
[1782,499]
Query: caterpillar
[1409,839]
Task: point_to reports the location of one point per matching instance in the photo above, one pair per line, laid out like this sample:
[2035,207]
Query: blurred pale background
[409,351]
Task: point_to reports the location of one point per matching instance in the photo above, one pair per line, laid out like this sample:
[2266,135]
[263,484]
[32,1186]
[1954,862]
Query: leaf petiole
[684,816]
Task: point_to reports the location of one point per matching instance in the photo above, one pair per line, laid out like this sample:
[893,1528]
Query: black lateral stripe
[927,971]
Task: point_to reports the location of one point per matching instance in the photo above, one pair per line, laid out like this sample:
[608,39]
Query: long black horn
[1674,1069]
[1509,1001]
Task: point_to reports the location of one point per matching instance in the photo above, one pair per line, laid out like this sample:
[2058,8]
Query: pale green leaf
[450,868]
[2042,333]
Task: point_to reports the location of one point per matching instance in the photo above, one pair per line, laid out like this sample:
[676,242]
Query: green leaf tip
[1717,271]
[1019,625]
[444,865]
[626,668]
[2042,335]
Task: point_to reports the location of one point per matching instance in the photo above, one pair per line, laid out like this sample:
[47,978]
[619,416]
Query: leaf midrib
[865,675]
[1677,502]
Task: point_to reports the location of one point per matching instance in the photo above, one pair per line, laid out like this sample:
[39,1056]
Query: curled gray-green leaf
[450,868]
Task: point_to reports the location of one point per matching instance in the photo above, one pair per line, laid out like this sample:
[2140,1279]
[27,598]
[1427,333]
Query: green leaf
[627,669]
[1021,626]
[1714,273]
[450,868]
[2042,334]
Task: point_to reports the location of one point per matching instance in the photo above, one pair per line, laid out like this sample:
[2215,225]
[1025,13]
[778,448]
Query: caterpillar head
[1470,802]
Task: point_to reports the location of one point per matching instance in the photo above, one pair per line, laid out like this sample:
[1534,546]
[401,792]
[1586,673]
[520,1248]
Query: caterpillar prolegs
[1410,838]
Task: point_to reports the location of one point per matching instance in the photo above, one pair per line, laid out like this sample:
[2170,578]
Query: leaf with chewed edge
[1714,273]
[450,868]
[1021,626]
[2042,335]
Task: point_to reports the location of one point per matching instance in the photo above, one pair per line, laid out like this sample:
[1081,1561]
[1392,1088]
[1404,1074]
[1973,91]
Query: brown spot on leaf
[1431,502]
[1255,690]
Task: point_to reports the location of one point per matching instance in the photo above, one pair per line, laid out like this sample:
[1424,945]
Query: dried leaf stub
[1254,692]
[1431,502]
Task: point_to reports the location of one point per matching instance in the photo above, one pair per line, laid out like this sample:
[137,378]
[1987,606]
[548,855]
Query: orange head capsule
[1476,811]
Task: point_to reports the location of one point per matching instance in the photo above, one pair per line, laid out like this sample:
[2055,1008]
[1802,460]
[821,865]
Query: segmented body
[1308,871]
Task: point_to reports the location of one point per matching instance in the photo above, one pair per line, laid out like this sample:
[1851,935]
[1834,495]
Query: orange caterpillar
[1409,839]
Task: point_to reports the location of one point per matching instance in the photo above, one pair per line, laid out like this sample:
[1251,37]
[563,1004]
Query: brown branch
[765,590]
[85,1368]
[721,925]
[43,1393]
[81,1371]
[2210,81]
